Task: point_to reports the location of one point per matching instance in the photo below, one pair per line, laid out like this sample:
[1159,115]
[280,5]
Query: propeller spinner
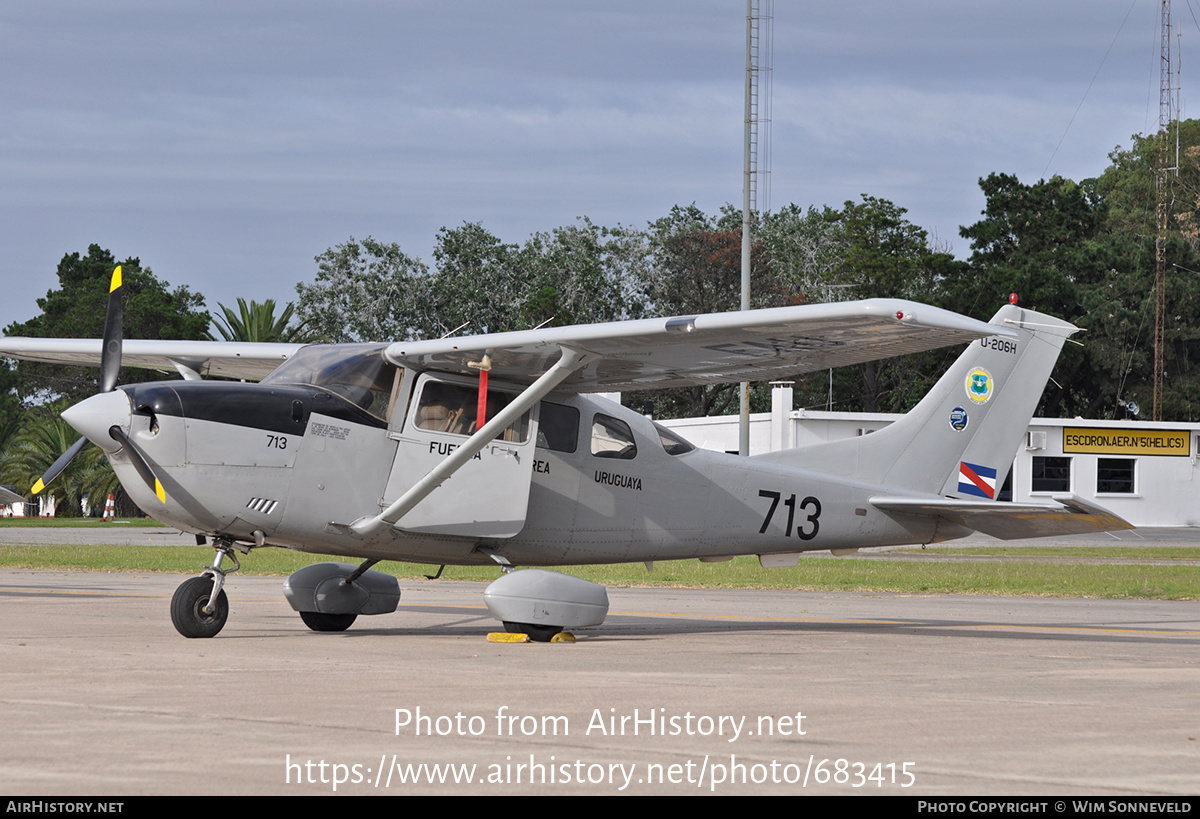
[94,417]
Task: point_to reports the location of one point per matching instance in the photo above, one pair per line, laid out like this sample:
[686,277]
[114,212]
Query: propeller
[110,366]
[139,462]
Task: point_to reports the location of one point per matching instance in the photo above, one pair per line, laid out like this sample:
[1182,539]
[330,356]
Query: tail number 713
[808,519]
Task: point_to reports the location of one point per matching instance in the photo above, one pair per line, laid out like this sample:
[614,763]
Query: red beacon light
[1012,298]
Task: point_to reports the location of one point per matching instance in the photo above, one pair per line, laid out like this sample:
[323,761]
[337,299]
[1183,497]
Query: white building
[1146,472]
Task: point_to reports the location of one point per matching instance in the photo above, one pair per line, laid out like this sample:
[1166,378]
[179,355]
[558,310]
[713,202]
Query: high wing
[191,359]
[1068,515]
[754,345]
[7,497]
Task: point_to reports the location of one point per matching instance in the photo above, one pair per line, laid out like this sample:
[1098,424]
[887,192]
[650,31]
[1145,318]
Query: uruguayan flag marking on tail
[977,480]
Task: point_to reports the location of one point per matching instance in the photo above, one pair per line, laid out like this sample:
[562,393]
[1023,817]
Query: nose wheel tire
[537,633]
[319,621]
[187,608]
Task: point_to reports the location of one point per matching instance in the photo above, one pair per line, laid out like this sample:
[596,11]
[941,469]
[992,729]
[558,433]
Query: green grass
[1100,552]
[1123,577]
[72,523]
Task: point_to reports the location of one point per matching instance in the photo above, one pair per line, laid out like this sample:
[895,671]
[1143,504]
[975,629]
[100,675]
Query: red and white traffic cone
[110,509]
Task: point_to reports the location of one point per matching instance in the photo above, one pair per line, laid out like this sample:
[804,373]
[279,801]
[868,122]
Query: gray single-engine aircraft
[489,449]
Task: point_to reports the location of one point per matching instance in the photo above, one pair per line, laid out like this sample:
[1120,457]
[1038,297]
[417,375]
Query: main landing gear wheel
[319,621]
[539,634]
[188,604]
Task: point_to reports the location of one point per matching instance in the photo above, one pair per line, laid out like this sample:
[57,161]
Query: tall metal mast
[1168,169]
[756,163]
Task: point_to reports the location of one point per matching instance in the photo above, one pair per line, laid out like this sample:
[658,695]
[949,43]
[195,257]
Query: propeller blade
[139,462]
[59,465]
[110,354]
[110,365]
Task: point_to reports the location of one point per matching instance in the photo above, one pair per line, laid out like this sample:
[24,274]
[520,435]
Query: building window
[1114,476]
[1051,474]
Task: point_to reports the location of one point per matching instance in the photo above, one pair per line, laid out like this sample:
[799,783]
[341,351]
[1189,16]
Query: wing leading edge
[232,359]
[754,345]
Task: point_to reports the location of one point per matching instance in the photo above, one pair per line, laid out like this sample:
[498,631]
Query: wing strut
[568,362]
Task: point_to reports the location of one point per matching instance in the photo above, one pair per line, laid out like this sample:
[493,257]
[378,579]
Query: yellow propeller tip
[116,279]
[38,487]
[160,492]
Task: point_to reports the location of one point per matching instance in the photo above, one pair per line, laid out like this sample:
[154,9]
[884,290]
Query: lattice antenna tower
[756,164]
[759,48]
[1168,171]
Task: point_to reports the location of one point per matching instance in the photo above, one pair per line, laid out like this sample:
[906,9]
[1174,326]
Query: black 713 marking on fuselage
[790,503]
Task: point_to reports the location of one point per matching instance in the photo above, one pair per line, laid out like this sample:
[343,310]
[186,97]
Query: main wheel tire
[187,608]
[319,621]
[537,633]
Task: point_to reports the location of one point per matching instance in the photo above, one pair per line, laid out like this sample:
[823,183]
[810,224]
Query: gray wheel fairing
[544,598]
[320,588]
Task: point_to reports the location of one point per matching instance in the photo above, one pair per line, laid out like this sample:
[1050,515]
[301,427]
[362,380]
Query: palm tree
[40,438]
[257,322]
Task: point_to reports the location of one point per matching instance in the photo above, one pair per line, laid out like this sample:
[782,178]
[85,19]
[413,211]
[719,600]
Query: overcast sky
[226,144]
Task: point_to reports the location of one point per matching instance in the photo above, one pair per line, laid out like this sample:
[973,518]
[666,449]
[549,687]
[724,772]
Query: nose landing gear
[195,612]
[199,607]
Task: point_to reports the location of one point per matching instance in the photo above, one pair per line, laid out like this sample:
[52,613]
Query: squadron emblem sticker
[979,385]
[958,419]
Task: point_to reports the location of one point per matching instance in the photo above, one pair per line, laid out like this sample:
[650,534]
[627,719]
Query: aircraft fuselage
[298,464]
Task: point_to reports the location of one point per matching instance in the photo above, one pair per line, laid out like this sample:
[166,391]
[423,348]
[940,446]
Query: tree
[478,282]
[582,274]
[806,249]
[77,309]
[695,266]
[10,404]
[1041,242]
[1035,240]
[40,438]
[365,291]
[1086,252]
[257,322]
[1128,189]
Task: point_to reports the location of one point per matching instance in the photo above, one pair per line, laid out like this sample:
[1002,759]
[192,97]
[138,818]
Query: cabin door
[489,495]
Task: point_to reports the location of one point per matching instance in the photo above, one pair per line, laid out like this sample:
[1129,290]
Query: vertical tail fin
[961,438]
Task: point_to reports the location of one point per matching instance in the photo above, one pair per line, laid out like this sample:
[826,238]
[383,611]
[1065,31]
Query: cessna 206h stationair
[489,449]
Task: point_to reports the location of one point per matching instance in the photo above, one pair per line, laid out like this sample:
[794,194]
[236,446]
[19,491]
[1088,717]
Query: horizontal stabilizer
[1067,515]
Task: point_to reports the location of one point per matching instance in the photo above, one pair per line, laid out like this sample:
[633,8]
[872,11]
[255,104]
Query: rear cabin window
[671,441]
[454,408]
[558,427]
[612,438]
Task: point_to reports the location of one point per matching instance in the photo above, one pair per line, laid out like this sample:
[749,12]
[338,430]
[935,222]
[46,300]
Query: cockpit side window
[357,373]
[612,438]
